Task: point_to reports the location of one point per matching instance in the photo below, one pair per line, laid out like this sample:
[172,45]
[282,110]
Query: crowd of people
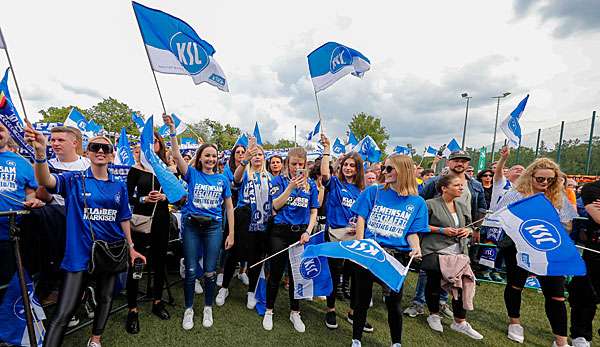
[237,213]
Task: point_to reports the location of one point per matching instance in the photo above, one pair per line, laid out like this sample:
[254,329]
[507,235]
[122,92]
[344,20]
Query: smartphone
[300,172]
[440,151]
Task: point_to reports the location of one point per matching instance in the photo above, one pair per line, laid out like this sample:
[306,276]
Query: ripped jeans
[202,242]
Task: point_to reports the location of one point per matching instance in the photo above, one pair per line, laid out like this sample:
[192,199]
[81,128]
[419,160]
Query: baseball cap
[459,155]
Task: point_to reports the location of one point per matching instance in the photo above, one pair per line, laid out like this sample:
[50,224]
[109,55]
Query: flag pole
[319,113]
[12,71]
[150,62]
[278,253]
[423,157]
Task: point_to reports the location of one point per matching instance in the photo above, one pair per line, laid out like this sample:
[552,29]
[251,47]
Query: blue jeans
[419,298]
[202,242]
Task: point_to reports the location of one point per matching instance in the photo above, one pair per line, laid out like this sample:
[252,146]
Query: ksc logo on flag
[540,234]
[340,57]
[365,249]
[310,268]
[189,53]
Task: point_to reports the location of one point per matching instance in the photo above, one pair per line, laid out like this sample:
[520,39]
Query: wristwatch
[131,245]
[244,162]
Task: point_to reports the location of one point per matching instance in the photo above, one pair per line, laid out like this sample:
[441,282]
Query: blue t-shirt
[206,194]
[107,206]
[390,217]
[340,199]
[297,209]
[247,194]
[16,174]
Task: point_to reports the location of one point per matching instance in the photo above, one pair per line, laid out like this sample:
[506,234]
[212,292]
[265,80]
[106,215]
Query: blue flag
[260,292]
[138,120]
[12,122]
[257,134]
[188,141]
[510,125]
[242,140]
[169,183]
[124,156]
[14,327]
[402,150]
[4,88]
[332,61]
[366,253]
[173,47]
[76,120]
[180,127]
[368,149]
[338,148]
[430,152]
[543,246]
[352,140]
[453,146]
[314,132]
[311,275]
[92,127]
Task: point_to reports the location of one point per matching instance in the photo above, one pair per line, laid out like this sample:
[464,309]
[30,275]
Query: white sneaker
[396,345]
[244,278]
[414,310]
[268,320]
[580,342]
[466,329]
[207,319]
[91,343]
[223,294]
[251,302]
[445,309]
[182,268]
[435,323]
[198,287]
[220,280]
[297,322]
[516,333]
[188,319]
[555,345]
[356,343]
[371,303]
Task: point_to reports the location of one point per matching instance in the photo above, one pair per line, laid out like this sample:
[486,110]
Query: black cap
[459,155]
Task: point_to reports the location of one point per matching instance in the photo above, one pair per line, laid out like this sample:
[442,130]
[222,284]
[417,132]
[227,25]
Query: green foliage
[282,143]
[58,114]
[363,124]
[212,131]
[113,115]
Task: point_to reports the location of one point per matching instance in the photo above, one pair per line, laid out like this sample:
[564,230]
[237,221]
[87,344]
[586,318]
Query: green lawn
[237,326]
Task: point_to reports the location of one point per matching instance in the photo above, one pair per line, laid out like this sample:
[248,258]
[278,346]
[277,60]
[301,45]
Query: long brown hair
[197,162]
[554,192]
[359,178]
[231,163]
[405,184]
[162,150]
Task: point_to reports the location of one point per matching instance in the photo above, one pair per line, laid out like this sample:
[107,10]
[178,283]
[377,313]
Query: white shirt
[81,164]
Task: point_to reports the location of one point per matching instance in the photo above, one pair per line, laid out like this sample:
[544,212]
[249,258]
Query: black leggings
[552,287]
[584,296]
[69,299]
[433,288]
[364,290]
[154,246]
[338,268]
[281,237]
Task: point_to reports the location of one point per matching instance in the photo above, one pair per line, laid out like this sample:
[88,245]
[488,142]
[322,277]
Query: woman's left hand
[463,232]
[229,241]
[133,254]
[304,238]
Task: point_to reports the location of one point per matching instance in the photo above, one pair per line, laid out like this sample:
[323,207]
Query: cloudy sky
[424,54]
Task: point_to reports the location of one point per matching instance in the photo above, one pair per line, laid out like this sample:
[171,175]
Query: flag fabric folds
[260,292]
[12,122]
[352,140]
[430,152]
[174,47]
[543,246]
[332,61]
[76,120]
[366,253]
[123,155]
[402,150]
[311,275]
[338,147]
[92,128]
[12,310]
[138,120]
[4,88]
[510,125]
[171,186]
[314,132]
[180,127]
[256,134]
[242,140]
[368,149]
[453,146]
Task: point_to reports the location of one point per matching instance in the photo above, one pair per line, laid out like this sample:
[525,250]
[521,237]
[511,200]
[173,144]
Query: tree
[212,131]
[58,114]
[363,124]
[281,143]
[113,115]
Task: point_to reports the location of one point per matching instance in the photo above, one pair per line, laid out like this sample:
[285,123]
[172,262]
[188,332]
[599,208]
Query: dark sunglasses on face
[96,147]
[487,175]
[540,180]
[388,168]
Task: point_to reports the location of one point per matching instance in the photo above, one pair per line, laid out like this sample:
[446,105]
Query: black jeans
[552,287]
[341,271]
[154,246]
[433,289]
[364,290]
[584,296]
[281,237]
[69,299]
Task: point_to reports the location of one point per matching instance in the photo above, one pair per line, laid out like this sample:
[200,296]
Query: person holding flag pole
[392,215]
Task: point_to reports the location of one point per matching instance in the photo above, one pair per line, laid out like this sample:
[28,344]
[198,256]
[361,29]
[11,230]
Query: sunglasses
[487,175]
[96,147]
[540,180]
[388,168]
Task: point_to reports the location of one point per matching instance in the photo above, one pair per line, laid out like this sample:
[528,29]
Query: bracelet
[244,162]
[173,134]
[441,230]
[131,245]
[40,161]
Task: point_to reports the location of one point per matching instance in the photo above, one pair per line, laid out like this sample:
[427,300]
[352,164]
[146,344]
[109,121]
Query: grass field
[237,326]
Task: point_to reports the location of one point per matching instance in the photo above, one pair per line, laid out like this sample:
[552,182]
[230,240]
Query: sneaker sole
[331,326]
[516,339]
[467,334]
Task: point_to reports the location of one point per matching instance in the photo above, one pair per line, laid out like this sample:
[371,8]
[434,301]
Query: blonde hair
[298,152]
[263,169]
[405,181]
[554,193]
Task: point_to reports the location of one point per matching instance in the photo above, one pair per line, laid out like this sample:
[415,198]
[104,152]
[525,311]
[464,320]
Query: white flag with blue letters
[332,61]
[311,275]
[175,48]
[543,246]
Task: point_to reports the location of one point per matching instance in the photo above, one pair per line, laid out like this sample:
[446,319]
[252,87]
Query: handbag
[106,257]
[140,223]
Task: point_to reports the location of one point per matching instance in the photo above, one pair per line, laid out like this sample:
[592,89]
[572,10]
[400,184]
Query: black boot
[160,311]
[132,325]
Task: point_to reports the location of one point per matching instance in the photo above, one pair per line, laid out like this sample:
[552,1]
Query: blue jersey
[206,194]
[16,174]
[390,217]
[247,191]
[340,199]
[297,209]
[107,206]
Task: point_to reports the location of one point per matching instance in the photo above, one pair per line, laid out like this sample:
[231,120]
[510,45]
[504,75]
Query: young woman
[392,215]
[541,176]
[486,178]
[275,165]
[202,218]
[96,203]
[295,198]
[448,237]
[251,218]
[147,200]
[343,190]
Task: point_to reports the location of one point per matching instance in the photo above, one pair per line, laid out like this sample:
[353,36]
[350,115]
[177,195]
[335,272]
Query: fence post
[537,145]
[589,151]
[560,140]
